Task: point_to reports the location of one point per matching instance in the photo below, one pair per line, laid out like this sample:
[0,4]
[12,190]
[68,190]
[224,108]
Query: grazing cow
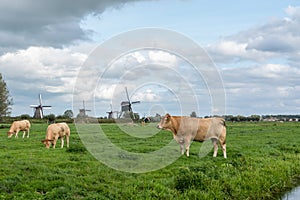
[55,131]
[186,129]
[23,125]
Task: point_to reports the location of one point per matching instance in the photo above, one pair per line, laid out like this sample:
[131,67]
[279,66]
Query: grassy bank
[263,161]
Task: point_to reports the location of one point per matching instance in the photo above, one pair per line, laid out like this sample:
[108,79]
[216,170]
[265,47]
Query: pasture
[263,162]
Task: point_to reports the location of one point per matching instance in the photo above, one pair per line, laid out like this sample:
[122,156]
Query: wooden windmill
[83,111]
[111,113]
[38,109]
[126,106]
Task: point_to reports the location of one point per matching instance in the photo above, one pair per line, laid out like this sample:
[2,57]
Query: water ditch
[294,194]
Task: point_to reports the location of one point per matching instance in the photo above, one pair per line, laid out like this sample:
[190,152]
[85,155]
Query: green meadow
[263,162]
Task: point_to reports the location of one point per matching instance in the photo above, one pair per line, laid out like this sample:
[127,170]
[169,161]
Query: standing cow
[55,131]
[186,129]
[16,126]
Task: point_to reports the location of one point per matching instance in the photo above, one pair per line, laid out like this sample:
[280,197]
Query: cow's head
[165,122]
[10,134]
[47,143]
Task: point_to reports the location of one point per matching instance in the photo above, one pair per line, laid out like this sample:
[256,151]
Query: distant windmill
[82,111]
[126,105]
[38,109]
[111,113]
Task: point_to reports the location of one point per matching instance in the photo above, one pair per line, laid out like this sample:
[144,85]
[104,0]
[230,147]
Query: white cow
[55,131]
[23,125]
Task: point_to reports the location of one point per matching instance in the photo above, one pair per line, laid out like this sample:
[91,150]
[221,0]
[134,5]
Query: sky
[57,49]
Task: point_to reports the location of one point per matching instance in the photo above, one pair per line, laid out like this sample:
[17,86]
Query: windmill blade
[47,107]
[127,95]
[40,99]
[41,113]
[135,102]
[34,106]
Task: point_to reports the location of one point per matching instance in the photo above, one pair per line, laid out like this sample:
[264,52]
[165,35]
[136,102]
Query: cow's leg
[223,146]
[16,134]
[182,148]
[181,143]
[67,138]
[222,140]
[54,142]
[62,142]
[215,143]
[187,146]
[24,132]
[28,133]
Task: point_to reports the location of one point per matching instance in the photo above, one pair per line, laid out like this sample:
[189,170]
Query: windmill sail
[126,105]
[83,111]
[38,109]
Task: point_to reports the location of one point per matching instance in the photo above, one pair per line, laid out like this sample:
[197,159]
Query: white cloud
[262,88]
[293,11]
[285,91]
[272,71]
[163,57]
[139,57]
[146,96]
[259,44]
[105,91]
[45,70]
[41,63]
[231,48]
[261,66]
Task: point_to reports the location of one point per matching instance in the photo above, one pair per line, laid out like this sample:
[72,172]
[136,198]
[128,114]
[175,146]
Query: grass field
[263,162]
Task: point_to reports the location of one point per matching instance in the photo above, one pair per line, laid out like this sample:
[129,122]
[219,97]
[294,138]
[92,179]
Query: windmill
[38,109]
[111,113]
[82,111]
[126,105]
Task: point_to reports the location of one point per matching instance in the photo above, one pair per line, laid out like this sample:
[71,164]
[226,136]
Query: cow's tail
[223,122]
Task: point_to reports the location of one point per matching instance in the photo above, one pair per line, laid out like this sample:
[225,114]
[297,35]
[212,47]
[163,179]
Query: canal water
[292,195]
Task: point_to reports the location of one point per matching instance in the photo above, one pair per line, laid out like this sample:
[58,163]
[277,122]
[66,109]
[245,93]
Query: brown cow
[16,126]
[186,129]
[55,131]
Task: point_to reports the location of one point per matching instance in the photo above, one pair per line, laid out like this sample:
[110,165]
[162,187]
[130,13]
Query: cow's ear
[167,117]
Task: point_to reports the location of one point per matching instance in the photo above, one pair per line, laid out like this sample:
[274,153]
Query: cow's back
[65,128]
[25,124]
[21,125]
[209,128]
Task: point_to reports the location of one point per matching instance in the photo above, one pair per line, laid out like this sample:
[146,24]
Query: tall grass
[263,162]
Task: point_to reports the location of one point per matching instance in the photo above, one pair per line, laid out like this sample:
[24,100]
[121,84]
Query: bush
[25,116]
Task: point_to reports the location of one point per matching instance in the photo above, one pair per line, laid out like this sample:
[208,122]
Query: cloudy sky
[48,47]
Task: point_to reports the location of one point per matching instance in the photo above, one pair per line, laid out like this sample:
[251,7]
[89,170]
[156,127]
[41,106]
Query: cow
[185,129]
[55,131]
[16,126]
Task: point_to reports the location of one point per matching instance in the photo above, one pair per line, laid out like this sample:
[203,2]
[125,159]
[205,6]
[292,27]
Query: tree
[193,114]
[51,118]
[5,99]
[68,114]
[25,116]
